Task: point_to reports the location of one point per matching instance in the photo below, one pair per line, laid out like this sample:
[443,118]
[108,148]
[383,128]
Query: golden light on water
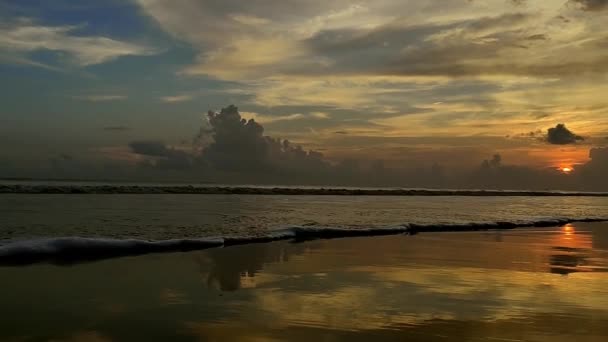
[568,231]
[566,169]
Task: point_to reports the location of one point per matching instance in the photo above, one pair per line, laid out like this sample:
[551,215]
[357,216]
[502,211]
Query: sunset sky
[408,82]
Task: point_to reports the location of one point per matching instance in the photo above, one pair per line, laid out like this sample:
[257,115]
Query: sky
[400,89]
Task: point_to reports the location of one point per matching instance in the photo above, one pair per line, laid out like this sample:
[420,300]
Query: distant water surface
[165,216]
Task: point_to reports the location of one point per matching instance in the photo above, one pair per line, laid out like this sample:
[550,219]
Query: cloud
[240,144]
[176,98]
[224,21]
[149,148]
[296,117]
[490,60]
[590,5]
[25,37]
[237,150]
[320,115]
[463,46]
[9,58]
[100,98]
[591,176]
[560,135]
[166,157]
[269,118]
[537,37]
[116,128]
[518,2]
[599,155]
[489,46]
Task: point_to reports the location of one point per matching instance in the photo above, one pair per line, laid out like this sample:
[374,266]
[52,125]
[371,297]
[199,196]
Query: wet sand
[532,284]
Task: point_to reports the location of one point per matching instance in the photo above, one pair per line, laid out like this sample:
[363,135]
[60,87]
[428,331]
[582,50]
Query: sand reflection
[428,287]
[572,251]
[475,286]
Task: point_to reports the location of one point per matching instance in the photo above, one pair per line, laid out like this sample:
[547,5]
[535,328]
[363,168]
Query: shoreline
[239,190]
[538,284]
[74,250]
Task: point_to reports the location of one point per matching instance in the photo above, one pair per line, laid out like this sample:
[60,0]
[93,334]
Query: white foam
[78,249]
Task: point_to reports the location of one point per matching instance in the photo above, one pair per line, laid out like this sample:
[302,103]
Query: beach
[271,170]
[525,284]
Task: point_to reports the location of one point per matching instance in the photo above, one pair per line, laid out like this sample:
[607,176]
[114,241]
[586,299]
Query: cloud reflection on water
[446,286]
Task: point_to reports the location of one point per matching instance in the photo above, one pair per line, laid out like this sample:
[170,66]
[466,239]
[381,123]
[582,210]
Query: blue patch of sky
[42,98]
[114,18]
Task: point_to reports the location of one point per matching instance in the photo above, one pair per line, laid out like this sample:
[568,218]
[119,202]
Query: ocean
[165,216]
[42,225]
[227,267]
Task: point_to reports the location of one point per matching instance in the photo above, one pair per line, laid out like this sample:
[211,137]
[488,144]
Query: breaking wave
[69,250]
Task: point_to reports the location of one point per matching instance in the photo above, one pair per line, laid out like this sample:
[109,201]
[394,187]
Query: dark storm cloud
[239,144]
[561,135]
[590,5]
[236,148]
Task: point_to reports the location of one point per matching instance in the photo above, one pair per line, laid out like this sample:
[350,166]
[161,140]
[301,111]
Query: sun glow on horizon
[566,169]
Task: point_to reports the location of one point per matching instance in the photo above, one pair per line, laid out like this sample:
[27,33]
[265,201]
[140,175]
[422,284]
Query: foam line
[68,250]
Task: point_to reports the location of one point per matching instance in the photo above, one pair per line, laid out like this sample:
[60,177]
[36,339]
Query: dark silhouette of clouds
[561,135]
[598,165]
[236,150]
[599,154]
[149,148]
[593,173]
[495,162]
[591,5]
[495,173]
[167,157]
[238,143]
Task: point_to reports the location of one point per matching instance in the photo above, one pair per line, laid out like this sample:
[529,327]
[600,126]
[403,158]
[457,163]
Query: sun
[566,169]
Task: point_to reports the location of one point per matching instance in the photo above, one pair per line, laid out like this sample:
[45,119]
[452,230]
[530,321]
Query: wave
[70,250]
[245,190]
